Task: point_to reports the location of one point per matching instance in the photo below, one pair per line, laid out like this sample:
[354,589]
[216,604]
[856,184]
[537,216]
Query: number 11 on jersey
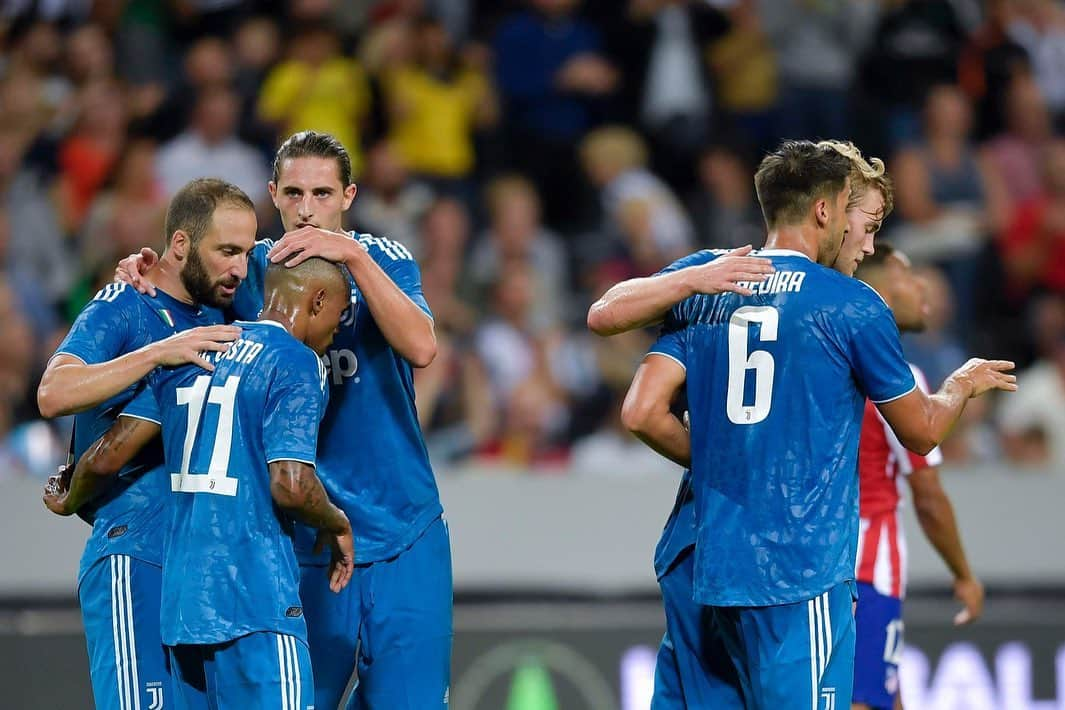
[216,480]
[740,360]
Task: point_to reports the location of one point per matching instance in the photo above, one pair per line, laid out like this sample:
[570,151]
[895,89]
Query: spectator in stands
[516,357]
[1016,153]
[744,69]
[817,46]
[127,212]
[318,88]
[435,105]
[207,63]
[445,234]
[935,350]
[1032,420]
[210,146]
[256,47]
[915,47]
[989,65]
[951,201]
[1039,26]
[550,72]
[454,401]
[1033,247]
[37,251]
[643,217]
[89,55]
[390,203]
[659,47]
[515,233]
[90,151]
[725,209]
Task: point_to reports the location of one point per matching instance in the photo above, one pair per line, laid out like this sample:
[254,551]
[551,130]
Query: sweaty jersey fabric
[372,458]
[776,382]
[129,518]
[231,568]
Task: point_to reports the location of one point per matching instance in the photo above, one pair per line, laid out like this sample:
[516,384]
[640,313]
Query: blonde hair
[505,186]
[866,174]
[615,148]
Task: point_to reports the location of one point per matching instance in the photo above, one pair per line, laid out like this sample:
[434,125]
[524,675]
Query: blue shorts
[119,597]
[692,669]
[263,670]
[391,627]
[878,620]
[792,656]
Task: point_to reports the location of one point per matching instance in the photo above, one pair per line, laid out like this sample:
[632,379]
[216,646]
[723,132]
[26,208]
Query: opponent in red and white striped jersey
[881,461]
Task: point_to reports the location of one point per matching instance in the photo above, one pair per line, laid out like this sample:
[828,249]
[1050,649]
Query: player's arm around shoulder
[641,302]
[95,361]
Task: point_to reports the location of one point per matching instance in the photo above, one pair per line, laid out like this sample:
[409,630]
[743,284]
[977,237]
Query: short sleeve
[674,345]
[397,261]
[144,406]
[295,404]
[876,351]
[103,330]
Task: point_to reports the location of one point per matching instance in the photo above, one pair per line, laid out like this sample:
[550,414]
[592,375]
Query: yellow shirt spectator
[434,119]
[332,97]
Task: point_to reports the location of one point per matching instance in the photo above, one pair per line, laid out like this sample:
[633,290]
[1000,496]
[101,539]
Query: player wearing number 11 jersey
[240,445]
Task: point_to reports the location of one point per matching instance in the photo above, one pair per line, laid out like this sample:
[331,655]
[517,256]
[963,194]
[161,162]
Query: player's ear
[821,211]
[349,194]
[180,244]
[272,188]
[318,302]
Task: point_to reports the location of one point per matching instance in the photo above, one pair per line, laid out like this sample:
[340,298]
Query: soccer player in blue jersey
[682,660]
[393,623]
[117,339]
[777,515]
[240,446]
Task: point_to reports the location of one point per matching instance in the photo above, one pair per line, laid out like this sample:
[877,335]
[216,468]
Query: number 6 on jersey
[740,361]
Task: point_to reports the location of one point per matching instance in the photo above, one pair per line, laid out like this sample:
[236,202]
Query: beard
[198,283]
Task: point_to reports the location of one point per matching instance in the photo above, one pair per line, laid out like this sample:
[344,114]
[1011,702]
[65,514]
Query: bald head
[313,274]
[310,297]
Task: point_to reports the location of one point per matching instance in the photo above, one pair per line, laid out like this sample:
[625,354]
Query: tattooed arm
[296,490]
[97,467]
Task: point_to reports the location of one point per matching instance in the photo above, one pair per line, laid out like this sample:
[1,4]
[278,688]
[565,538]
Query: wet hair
[790,179]
[193,207]
[313,144]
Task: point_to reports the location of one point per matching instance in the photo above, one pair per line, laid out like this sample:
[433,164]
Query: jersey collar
[780,252]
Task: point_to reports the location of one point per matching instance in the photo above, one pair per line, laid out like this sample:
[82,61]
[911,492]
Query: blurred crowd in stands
[531,153]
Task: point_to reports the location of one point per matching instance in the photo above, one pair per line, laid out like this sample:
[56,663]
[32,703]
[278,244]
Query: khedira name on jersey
[778,282]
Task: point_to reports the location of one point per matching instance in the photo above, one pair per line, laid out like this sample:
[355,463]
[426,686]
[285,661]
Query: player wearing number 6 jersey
[240,448]
[775,384]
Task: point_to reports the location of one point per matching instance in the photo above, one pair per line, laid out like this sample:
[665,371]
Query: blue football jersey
[127,519]
[386,486]
[231,566]
[679,531]
[776,383]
